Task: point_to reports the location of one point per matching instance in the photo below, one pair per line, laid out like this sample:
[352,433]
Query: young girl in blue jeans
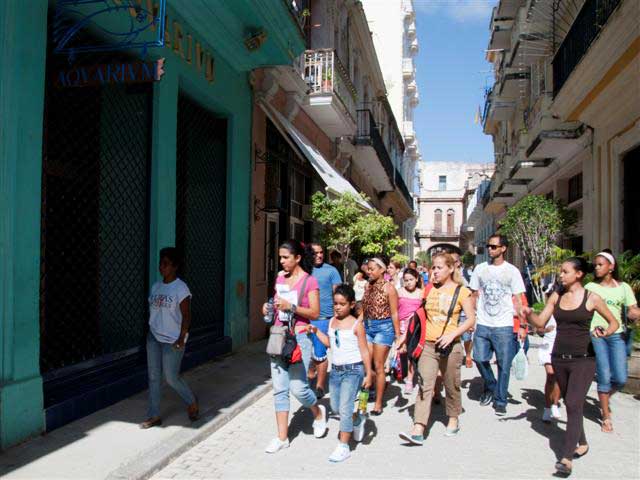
[350,367]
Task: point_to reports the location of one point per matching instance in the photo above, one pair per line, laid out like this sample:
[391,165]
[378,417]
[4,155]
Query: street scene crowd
[417,325]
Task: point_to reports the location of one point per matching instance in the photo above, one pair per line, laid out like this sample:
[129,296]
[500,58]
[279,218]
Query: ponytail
[305,252]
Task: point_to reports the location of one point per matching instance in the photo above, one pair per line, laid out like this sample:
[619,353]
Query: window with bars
[95,222]
[201,212]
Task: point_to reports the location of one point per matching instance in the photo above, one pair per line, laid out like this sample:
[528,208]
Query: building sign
[117,24]
[189,49]
[110,74]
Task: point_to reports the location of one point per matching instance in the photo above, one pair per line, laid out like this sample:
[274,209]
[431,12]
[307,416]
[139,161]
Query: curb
[155,459]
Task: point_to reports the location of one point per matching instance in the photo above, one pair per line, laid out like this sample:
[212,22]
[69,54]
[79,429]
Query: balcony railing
[585,29]
[402,186]
[368,134]
[407,67]
[439,232]
[324,74]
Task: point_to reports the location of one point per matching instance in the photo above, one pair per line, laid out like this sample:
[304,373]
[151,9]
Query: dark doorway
[201,214]
[631,200]
[94,243]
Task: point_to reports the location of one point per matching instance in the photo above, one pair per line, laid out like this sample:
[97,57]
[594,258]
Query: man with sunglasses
[497,287]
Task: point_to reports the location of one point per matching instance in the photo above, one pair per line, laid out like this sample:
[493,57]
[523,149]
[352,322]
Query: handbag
[282,339]
[445,351]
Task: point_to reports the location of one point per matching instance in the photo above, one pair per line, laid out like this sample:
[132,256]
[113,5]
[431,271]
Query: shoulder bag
[278,334]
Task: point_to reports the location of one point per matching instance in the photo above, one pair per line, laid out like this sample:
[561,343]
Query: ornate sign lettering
[117,25]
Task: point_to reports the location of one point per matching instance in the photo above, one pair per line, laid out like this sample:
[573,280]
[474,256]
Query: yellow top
[437,305]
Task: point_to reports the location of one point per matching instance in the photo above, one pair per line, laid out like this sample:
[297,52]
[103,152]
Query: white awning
[335,182]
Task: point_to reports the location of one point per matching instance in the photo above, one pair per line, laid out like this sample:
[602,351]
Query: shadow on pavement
[110,440]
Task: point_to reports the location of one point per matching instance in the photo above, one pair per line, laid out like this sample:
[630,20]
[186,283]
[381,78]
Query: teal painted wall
[23,50]
[22,57]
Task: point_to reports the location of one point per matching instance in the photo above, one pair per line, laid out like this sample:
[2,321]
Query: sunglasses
[337,338]
[493,247]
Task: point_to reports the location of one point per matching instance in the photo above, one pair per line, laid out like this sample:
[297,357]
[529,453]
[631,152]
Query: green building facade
[94,180]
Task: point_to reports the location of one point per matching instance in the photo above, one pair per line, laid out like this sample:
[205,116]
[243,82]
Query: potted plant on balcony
[327,84]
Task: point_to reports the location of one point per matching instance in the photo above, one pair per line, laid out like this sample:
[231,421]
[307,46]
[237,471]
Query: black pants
[574,377]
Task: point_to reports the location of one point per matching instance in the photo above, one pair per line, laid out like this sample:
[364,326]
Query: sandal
[577,454]
[151,422]
[607,425]
[562,469]
[193,411]
[376,413]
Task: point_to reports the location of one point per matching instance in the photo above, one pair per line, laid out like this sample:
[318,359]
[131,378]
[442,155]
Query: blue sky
[451,74]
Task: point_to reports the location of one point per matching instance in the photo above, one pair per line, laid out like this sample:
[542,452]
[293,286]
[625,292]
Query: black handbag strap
[452,307]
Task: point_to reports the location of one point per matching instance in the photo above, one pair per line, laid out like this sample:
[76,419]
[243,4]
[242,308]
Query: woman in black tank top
[572,357]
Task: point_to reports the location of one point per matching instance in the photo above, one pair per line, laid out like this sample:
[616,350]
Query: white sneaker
[358,430]
[276,445]
[320,426]
[546,415]
[555,412]
[340,454]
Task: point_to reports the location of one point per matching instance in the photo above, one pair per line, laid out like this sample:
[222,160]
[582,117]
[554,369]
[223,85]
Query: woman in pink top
[409,300]
[297,265]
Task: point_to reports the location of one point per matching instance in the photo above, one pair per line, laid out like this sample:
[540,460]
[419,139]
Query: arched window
[437,220]
[450,218]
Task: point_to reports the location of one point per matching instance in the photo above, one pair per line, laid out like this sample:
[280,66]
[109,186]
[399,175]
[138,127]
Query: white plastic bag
[520,365]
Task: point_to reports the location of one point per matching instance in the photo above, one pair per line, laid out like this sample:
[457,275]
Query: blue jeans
[319,350]
[380,332]
[293,378]
[345,382]
[611,362]
[486,341]
[163,357]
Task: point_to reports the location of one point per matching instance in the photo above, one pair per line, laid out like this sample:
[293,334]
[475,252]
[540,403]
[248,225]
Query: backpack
[417,329]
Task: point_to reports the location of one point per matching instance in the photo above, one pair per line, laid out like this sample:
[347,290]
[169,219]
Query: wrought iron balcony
[325,75]
[402,187]
[585,29]
[368,134]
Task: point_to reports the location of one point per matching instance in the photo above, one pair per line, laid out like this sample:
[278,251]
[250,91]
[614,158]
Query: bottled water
[268,318]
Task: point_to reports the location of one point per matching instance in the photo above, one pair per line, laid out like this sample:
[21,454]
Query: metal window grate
[95,217]
[201,212]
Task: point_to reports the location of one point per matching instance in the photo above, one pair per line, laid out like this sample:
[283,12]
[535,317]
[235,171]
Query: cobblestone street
[519,445]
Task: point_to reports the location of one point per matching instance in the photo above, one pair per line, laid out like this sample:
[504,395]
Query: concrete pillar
[22,56]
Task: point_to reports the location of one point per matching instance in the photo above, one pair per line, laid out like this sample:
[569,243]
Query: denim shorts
[380,332]
[466,336]
[319,350]
[611,362]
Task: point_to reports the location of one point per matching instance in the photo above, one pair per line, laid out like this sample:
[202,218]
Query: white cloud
[458,10]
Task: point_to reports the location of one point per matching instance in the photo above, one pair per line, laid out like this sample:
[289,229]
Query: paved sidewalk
[519,445]
[109,444]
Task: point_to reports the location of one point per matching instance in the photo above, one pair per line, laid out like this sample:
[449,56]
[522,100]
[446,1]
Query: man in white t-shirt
[497,287]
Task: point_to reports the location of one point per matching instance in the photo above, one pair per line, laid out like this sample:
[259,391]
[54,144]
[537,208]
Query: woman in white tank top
[350,367]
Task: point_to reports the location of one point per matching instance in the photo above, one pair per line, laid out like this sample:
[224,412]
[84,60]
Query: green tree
[423,258]
[377,235]
[534,224]
[350,228]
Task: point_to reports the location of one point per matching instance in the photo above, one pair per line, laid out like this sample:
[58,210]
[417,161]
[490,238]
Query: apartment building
[564,113]
[321,123]
[394,32]
[444,199]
